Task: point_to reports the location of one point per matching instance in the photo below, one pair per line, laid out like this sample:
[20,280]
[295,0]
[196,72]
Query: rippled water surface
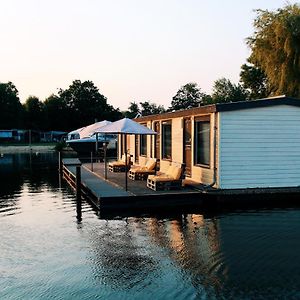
[46,254]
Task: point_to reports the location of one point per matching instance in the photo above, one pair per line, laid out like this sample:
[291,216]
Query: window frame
[197,120]
[143,145]
[163,124]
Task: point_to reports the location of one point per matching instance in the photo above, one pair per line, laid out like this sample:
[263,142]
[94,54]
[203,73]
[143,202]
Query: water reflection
[46,254]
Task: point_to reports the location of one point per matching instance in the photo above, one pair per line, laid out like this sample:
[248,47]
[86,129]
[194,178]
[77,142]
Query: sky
[133,50]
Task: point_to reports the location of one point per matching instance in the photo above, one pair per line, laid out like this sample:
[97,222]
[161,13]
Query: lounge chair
[141,172]
[120,165]
[171,179]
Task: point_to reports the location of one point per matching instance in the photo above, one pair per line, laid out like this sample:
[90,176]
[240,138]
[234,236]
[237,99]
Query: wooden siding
[260,147]
[177,140]
[199,174]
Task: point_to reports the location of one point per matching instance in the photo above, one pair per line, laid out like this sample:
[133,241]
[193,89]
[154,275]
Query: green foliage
[145,108]
[224,91]
[275,47]
[133,110]
[85,104]
[188,96]
[254,80]
[11,111]
[60,146]
[34,113]
[56,113]
[148,108]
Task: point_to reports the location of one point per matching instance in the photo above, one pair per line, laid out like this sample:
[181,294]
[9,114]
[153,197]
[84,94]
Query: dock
[110,194]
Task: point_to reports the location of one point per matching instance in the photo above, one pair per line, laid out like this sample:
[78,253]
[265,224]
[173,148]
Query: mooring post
[78,192]
[29,139]
[92,165]
[59,162]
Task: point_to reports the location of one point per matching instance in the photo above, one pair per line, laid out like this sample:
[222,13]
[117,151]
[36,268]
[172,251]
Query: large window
[143,144]
[202,141]
[167,140]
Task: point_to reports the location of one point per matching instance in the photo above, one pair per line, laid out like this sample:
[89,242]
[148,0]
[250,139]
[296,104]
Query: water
[46,254]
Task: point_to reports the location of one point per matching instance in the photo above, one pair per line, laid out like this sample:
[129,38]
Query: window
[167,140]
[143,144]
[202,141]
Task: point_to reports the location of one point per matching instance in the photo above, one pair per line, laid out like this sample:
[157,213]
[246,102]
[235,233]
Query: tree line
[79,105]
[273,68]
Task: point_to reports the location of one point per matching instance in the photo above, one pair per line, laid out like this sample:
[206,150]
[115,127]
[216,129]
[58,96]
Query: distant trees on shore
[79,105]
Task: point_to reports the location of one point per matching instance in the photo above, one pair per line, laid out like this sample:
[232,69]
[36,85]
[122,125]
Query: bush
[60,146]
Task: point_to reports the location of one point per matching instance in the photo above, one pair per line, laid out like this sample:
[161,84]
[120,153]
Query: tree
[275,47]
[189,95]
[148,108]
[132,111]
[11,110]
[34,113]
[225,91]
[85,104]
[56,113]
[254,80]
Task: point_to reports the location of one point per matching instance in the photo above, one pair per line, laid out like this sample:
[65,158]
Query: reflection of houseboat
[86,140]
[249,144]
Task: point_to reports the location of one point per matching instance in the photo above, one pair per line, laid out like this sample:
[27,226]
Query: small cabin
[249,144]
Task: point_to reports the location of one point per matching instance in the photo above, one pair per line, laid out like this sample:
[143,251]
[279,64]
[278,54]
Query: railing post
[92,165]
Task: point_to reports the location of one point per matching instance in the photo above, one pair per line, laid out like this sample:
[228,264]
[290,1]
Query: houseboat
[240,145]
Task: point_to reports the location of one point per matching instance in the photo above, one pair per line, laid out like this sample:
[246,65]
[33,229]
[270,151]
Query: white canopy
[126,126]
[76,131]
[89,130]
[93,128]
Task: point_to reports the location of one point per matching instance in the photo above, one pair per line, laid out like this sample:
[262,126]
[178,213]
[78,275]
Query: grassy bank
[36,147]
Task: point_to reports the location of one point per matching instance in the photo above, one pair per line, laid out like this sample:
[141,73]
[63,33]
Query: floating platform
[110,193]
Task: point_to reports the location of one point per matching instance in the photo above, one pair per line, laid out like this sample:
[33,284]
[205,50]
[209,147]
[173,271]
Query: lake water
[46,254]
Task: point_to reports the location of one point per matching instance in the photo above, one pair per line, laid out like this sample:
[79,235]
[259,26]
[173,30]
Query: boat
[86,139]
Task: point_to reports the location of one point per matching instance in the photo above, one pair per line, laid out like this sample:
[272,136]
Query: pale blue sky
[133,50]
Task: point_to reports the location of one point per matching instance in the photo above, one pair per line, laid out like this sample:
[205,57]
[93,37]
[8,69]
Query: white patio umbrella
[127,127]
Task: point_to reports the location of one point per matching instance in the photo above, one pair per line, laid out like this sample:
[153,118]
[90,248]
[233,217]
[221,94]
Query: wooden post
[78,193]
[92,165]
[125,143]
[59,162]
[29,138]
[105,158]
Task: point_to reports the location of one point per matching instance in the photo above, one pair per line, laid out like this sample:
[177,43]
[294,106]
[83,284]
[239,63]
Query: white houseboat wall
[240,145]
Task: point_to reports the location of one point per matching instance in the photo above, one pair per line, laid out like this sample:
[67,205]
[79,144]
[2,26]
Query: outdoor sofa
[169,179]
[120,165]
[147,166]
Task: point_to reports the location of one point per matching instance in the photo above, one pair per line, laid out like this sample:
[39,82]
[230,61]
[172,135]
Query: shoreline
[26,148]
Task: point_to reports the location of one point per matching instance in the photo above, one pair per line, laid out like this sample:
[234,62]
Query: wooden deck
[135,187]
[110,194]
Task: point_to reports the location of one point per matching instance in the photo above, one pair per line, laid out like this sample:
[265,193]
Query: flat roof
[219,107]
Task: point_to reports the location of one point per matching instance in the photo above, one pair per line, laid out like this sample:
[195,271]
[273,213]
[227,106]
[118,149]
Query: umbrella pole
[125,143]
[105,158]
